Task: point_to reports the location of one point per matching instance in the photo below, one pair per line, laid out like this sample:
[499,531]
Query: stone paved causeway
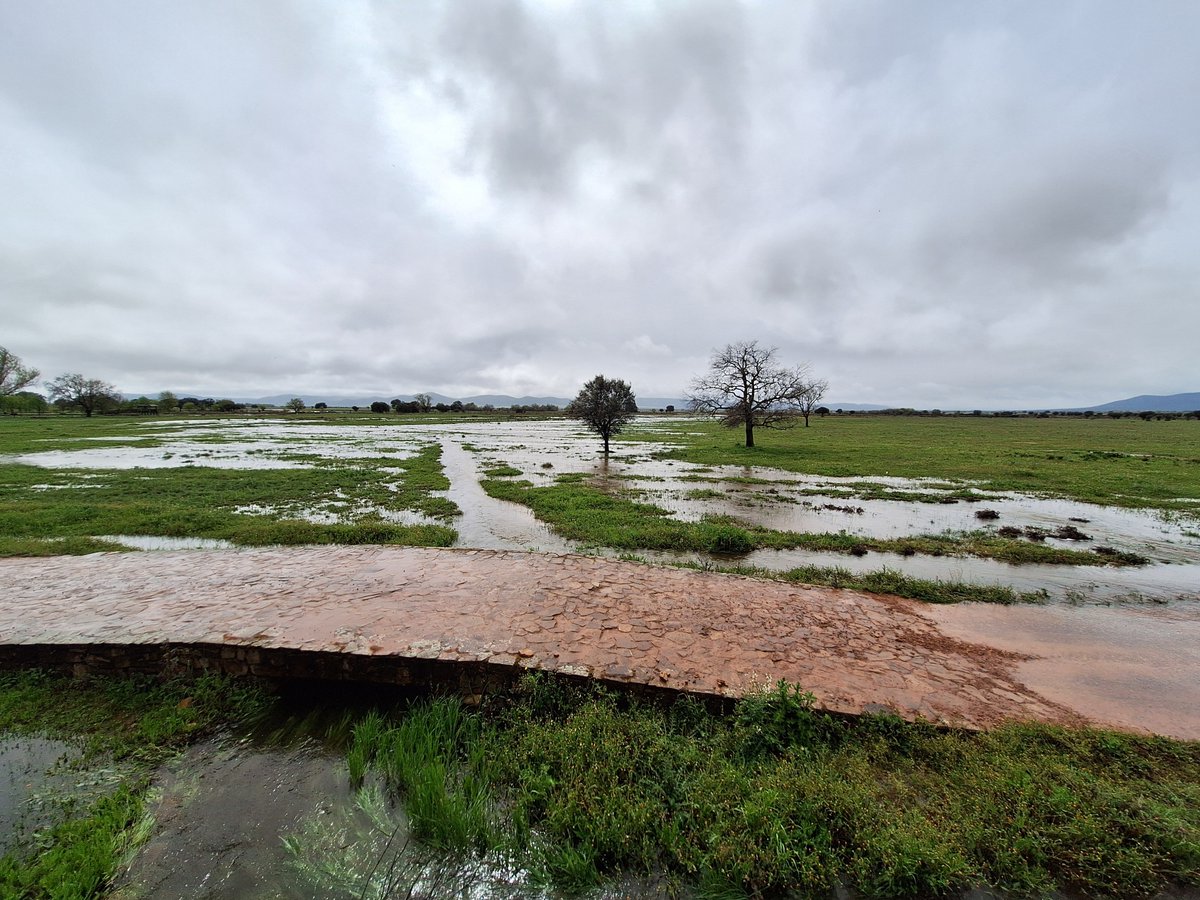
[623,622]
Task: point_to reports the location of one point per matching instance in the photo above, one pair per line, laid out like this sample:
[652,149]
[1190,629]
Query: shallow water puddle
[33,772]
[221,818]
[263,818]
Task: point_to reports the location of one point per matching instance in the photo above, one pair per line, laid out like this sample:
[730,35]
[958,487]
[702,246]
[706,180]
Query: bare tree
[424,402]
[89,394]
[744,386]
[604,405]
[13,375]
[811,398]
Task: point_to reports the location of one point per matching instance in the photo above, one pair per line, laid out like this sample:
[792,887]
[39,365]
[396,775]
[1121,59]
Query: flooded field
[542,451]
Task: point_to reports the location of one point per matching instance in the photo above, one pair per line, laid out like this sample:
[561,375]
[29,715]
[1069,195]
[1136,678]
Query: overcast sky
[936,204]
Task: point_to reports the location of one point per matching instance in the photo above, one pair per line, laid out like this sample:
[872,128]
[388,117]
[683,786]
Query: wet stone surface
[623,622]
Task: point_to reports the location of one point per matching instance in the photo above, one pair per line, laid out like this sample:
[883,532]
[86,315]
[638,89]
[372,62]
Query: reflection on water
[489,523]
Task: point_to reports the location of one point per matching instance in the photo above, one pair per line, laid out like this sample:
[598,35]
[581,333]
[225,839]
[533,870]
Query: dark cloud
[948,205]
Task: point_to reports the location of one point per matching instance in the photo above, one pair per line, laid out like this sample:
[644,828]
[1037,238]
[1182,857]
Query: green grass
[1124,462]
[880,581]
[126,727]
[61,511]
[586,514]
[578,785]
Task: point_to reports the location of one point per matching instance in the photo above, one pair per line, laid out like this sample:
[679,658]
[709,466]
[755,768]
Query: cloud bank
[948,205]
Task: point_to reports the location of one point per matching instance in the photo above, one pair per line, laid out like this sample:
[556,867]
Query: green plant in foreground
[577,785]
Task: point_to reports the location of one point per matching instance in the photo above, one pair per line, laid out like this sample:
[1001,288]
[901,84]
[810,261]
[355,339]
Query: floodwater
[1104,663]
[543,450]
[271,814]
[33,770]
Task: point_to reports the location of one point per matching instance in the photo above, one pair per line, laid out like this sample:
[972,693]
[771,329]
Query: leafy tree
[321,405]
[295,405]
[89,394]
[745,386]
[380,407]
[22,402]
[168,402]
[14,376]
[604,405]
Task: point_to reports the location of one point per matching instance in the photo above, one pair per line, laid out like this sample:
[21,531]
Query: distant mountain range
[1150,403]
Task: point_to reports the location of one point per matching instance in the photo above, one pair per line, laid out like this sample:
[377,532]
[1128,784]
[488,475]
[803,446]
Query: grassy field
[1117,462]
[55,511]
[576,785]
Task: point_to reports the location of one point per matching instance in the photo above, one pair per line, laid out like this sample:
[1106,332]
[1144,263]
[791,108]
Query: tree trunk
[749,432]
[605,445]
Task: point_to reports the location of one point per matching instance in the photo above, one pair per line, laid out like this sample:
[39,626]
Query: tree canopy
[745,386]
[604,405]
[14,375]
[89,394]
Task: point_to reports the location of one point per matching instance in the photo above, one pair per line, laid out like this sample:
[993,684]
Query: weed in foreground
[577,786]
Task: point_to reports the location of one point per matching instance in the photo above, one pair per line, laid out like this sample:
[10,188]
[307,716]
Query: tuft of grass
[883,581]
[501,470]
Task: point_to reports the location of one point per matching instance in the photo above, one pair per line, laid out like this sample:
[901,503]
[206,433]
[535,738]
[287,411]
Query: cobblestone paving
[623,622]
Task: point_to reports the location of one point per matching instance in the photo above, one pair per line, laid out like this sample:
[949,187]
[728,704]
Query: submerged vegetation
[326,501]
[569,786]
[576,785]
[123,729]
[582,512]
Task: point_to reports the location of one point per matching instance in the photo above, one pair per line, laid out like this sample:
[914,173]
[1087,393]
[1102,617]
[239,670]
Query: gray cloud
[966,205]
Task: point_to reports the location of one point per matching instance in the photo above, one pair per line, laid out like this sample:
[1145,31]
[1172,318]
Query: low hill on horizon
[1150,403]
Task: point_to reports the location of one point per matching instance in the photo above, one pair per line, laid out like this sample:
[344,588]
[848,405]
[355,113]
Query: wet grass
[577,786]
[126,727]
[580,512]
[880,581]
[1124,462]
[59,511]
